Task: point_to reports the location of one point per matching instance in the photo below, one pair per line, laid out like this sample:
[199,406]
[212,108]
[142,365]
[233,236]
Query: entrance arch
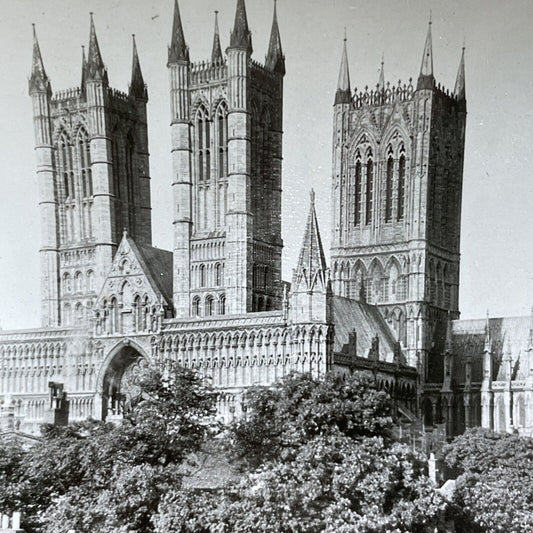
[116,383]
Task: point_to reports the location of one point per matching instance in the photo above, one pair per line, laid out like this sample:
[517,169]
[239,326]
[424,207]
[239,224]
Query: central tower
[226,145]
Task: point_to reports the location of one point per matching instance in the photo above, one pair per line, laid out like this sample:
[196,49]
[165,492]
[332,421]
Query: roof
[158,264]
[507,334]
[367,322]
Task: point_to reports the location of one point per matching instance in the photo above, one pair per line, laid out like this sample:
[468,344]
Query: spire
[344,92]
[311,261]
[178,50]
[426,79]
[459,90]
[275,60]
[241,36]
[216,54]
[38,80]
[381,82]
[488,342]
[96,70]
[137,85]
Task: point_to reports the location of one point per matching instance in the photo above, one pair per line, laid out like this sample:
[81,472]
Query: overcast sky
[496,245]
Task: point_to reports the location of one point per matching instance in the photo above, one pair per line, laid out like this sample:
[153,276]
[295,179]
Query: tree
[298,408]
[93,476]
[495,485]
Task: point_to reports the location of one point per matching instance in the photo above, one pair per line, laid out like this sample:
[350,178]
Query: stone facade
[112,302]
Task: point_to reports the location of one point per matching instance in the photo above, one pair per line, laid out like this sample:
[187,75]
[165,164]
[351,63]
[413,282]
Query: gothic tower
[396,195]
[226,147]
[92,167]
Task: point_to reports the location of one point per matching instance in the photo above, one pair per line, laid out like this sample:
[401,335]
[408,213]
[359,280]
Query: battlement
[67,94]
[258,68]
[403,92]
[207,71]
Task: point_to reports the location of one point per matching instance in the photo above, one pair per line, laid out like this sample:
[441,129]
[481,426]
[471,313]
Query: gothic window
[210,306]
[203,141]
[78,314]
[115,326]
[357,193]
[115,154]
[84,158]
[66,315]
[196,306]
[401,187]
[90,280]
[65,164]
[222,126]
[202,276]
[218,275]
[78,282]
[369,189]
[388,189]
[222,305]
[67,283]
[129,169]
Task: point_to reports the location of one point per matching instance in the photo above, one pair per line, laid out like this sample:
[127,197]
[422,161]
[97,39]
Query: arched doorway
[118,386]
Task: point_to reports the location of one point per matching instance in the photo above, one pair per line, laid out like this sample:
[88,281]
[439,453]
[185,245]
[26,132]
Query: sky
[497,213]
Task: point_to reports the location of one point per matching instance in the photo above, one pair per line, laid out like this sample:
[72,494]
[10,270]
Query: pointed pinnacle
[178,50]
[216,54]
[95,66]
[38,79]
[426,79]
[137,85]
[381,82]
[275,59]
[460,90]
[343,95]
[241,37]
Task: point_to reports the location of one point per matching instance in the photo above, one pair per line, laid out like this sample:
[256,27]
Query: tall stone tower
[94,181]
[226,147]
[396,195]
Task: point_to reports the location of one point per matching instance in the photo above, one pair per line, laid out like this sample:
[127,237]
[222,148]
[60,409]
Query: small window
[67,283]
[196,306]
[222,305]
[202,276]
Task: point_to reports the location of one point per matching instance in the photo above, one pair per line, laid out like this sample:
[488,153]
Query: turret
[426,80]
[310,289]
[239,217]
[381,82]
[41,92]
[180,74]
[487,396]
[216,53]
[344,92]
[83,71]
[460,89]
[275,60]
[97,91]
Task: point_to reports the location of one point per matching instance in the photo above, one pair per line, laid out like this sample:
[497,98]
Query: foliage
[495,488]
[298,408]
[92,476]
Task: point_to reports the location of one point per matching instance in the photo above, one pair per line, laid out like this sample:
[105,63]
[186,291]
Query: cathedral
[386,307]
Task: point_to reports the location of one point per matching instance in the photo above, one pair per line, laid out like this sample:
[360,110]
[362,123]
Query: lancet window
[369,188]
[389,177]
[203,142]
[401,185]
[222,131]
[357,192]
[84,158]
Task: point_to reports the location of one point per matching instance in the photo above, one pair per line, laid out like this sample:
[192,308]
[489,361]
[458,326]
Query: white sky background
[497,252]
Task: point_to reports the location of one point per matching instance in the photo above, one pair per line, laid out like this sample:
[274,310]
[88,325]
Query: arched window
[222,127]
[67,282]
[388,189]
[357,193]
[115,328]
[66,166]
[196,306]
[369,189]
[66,315]
[130,148]
[202,279]
[84,158]
[401,187]
[210,306]
[137,309]
[90,280]
[78,315]
[78,282]
[222,305]
[203,140]
[218,275]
